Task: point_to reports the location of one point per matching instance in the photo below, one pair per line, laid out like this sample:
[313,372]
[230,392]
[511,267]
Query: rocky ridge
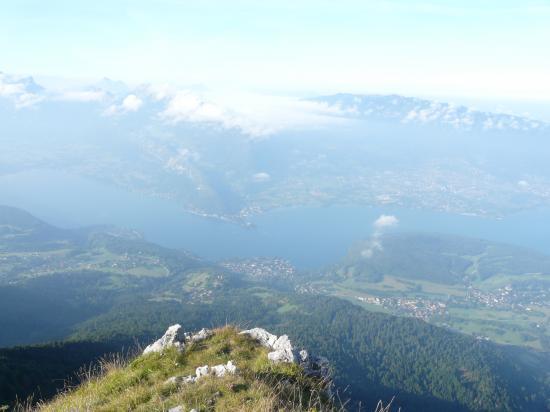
[223,369]
[281,347]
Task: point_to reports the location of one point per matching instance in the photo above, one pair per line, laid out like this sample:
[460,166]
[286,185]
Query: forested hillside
[120,290]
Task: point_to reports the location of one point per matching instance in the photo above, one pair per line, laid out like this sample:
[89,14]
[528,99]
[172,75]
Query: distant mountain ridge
[412,110]
[19,218]
[390,107]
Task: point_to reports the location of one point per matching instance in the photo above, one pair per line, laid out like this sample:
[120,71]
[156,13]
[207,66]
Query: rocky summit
[222,369]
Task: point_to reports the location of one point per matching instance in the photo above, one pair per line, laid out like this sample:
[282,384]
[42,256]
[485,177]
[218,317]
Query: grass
[501,326]
[506,326]
[139,384]
[43,263]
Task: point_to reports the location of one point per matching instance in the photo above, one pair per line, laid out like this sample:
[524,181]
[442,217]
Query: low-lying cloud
[261,177]
[131,103]
[380,225]
[385,221]
[22,91]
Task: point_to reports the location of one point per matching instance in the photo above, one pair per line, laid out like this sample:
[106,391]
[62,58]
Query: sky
[485,50]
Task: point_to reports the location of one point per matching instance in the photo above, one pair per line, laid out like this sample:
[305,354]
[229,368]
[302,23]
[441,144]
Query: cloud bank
[131,103]
[24,92]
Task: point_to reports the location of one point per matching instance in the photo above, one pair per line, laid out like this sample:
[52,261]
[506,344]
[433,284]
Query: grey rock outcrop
[199,336]
[222,370]
[281,346]
[318,366]
[176,337]
[202,371]
[261,335]
[178,380]
[283,351]
[173,337]
[218,371]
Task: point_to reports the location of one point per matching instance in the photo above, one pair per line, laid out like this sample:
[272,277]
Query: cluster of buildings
[419,308]
[507,297]
[262,268]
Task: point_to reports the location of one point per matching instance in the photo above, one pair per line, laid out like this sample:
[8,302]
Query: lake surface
[308,236]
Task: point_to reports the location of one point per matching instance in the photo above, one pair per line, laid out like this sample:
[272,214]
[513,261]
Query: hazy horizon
[476,50]
[367,180]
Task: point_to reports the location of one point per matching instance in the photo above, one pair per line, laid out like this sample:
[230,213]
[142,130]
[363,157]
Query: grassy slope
[139,385]
[40,371]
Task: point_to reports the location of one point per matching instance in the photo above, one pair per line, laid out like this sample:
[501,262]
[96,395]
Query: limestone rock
[181,380]
[202,371]
[178,408]
[283,350]
[171,381]
[231,367]
[264,337]
[222,370]
[199,336]
[173,337]
[281,346]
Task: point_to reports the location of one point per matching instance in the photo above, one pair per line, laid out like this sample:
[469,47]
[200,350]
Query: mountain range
[170,144]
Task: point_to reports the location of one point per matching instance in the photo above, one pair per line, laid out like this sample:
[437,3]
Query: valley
[100,289]
[489,290]
[274,206]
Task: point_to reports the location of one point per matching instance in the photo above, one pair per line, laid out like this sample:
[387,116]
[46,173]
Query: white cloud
[10,89]
[131,103]
[261,177]
[82,96]
[18,91]
[263,115]
[189,107]
[374,244]
[385,221]
[27,100]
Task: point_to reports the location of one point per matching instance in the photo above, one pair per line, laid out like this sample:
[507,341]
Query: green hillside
[486,289]
[40,371]
[113,300]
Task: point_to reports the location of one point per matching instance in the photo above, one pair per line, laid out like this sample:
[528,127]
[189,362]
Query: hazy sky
[472,48]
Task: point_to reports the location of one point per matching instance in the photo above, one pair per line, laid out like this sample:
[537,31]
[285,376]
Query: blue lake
[308,236]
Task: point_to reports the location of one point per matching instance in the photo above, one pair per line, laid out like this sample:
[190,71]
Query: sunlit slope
[143,383]
[480,287]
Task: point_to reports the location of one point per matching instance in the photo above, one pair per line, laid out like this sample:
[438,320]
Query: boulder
[264,337]
[202,371]
[283,350]
[281,346]
[173,337]
[199,336]
[222,370]
[177,380]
